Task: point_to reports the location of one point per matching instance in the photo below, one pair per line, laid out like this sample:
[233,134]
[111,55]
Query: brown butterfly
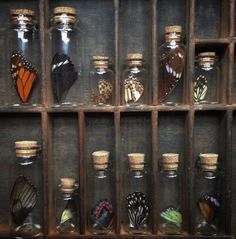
[23,75]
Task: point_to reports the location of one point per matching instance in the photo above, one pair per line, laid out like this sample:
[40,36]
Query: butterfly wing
[200,88]
[22,200]
[63,76]
[172,66]
[23,75]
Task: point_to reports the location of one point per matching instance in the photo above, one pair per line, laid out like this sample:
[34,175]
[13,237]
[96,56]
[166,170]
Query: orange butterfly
[23,75]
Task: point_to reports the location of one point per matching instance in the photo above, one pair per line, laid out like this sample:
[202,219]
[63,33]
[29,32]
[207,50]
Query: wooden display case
[70,134]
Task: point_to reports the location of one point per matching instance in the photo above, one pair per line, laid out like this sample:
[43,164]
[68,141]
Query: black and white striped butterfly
[63,76]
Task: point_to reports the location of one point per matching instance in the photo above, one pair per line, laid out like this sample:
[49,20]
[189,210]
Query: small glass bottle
[136,199]
[206,81]
[171,67]
[67,55]
[135,83]
[101,82]
[68,222]
[22,40]
[170,196]
[207,196]
[101,214]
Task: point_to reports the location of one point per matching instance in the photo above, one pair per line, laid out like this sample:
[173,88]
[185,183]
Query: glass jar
[170,196]
[101,80]
[135,82]
[207,196]
[22,40]
[171,67]
[101,214]
[27,151]
[136,198]
[26,191]
[206,81]
[67,55]
[68,222]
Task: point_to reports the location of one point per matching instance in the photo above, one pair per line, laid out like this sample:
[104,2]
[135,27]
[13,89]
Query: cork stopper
[67,185]
[101,61]
[19,11]
[209,162]
[174,28]
[136,161]
[206,58]
[135,59]
[26,149]
[170,161]
[100,160]
[64,15]
[22,17]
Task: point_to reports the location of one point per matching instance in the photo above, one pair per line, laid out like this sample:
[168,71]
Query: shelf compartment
[212,18]
[96,24]
[172,139]
[99,135]
[11,130]
[222,54]
[64,161]
[210,137]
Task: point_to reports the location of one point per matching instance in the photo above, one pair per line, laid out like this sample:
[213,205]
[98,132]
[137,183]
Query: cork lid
[21,11]
[100,159]
[136,161]
[67,185]
[170,161]
[134,56]
[207,54]
[174,28]
[209,161]
[101,61]
[26,144]
[63,9]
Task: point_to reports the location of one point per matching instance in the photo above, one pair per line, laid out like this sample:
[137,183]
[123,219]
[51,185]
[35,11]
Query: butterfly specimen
[209,206]
[172,215]
[23,75]
[105,92]
[102,214]
[137,210]
[63,76]
[22,200]
[172,67]
[133,89]
[200,88]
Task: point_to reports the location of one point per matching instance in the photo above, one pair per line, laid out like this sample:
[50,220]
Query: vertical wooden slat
[230,85]
[116,45]
[190,169]
[232,18]
[155,181]
[228,170]
[118,173]
[154,64]
[82,173]
[48,174]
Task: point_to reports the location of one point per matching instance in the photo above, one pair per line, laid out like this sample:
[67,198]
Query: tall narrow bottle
[101,214]
[136,206]
[135,82]
[206,82]
[23,57]
[207,196]
[66,66]
[170,195]
[68,222]
[171,67]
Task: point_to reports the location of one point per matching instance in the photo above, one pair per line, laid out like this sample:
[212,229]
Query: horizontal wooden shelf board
[200,41]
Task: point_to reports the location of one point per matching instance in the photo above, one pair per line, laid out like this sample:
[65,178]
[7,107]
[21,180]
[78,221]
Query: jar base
[207,229]
[28,230]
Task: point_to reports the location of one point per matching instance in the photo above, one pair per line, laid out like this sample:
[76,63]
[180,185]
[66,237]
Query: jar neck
[64,21]
[101,173]
[137,173]
[22,22]
[206,62]
[172,37]
[209,174]
[67,196]
[135,64]
[170,173]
